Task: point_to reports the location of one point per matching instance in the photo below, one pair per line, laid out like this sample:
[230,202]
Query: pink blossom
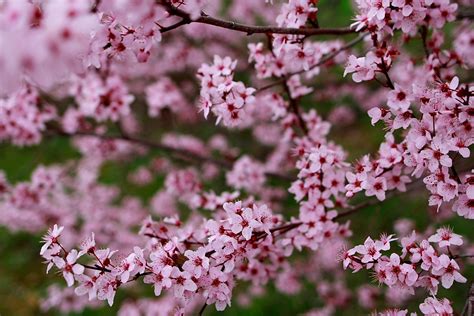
[51,237]
[69,266]
[370,250]
[399,99]
[448,270]
[182,282]
[125,268]
[445,237]
[377,187]
[362,68]
[197,262]
[160,278]
[432,306]
[87,286]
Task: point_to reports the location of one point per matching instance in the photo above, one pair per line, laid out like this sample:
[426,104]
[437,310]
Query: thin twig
[468,309]
[174,26]
[462,256]
[177,153]
[424,34]
[384,69]
[96,267]
[294,107]
[203,308]
[465,12]
[323,60]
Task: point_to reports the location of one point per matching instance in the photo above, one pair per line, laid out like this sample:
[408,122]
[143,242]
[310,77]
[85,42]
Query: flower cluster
[55,38]
[102,99]
[365,68]
[164,94]
[390,15]
[129,30]
[431,307]
[419,265]
[429,146]
[174,260]
[226,98]
[246,174]
[29,200]
[23,117]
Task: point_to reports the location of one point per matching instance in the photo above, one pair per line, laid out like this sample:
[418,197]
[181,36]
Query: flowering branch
[251,29]
[176,152]
[323,60]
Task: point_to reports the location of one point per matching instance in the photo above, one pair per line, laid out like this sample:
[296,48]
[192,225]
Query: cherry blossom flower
[182,282]
[197,262]
[125,268]
[160,278]
[445,238]
[448,270]
[87,286]
[432,306]
[51,237]
[242,220]
[362,68]
[370,250]
[377,187]
[69,266]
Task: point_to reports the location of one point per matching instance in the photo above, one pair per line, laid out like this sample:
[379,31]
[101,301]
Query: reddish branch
[384,69]
[464,13]
[252,29]
[177,153]
[294,107]
[173,26]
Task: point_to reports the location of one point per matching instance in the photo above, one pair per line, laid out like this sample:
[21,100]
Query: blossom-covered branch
[200,17]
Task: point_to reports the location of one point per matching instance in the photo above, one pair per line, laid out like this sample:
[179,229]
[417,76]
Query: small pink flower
[88,245]
[376,186]
[69,266]
[445,238]
[197,262]
[370,250]
[51,237]
[107,288]
[182,282]
[125,268]
[160,278]
[434,307]
[87,286]
[448,269]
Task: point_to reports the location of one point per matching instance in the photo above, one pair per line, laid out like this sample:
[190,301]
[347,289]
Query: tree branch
[463,13]
[295,108]
[177,153]
[203,308]
[466,12]
[174,26]
[323,60]
[253,29]
[384,69]
[468,309]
